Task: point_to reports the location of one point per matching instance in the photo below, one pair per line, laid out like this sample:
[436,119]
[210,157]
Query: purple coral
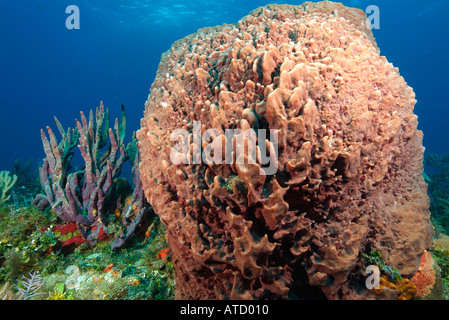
[86,196]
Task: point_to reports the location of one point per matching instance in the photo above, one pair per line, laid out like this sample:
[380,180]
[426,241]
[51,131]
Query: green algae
[27,245]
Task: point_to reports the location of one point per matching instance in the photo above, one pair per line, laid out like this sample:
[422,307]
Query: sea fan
[29,287]
[5,293]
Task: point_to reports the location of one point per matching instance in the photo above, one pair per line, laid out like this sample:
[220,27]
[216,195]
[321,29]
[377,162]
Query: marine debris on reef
[348,156]
[29,287]
[32,243]
[437,171]
[89,235]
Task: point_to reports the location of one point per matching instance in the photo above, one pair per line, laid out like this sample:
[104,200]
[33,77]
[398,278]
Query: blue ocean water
[48,70]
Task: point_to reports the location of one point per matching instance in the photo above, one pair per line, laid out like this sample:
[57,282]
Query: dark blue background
[47,70]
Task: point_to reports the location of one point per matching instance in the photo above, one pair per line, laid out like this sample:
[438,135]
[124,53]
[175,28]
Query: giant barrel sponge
[345,146]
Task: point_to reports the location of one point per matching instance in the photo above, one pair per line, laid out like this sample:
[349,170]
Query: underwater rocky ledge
[348,191]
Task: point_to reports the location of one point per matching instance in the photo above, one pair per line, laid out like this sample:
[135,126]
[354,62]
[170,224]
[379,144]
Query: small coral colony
[304,91]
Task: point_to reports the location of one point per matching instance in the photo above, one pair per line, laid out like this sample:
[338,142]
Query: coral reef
[391,284]
[88,196]
[27,184]
[346,149]
[137,208]
[88,272]
[404,289]
[91,234]
[375,258]
[69,235]
[425,284]
[440,254]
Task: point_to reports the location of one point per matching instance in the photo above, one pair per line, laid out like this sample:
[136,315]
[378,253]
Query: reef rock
[345,147]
